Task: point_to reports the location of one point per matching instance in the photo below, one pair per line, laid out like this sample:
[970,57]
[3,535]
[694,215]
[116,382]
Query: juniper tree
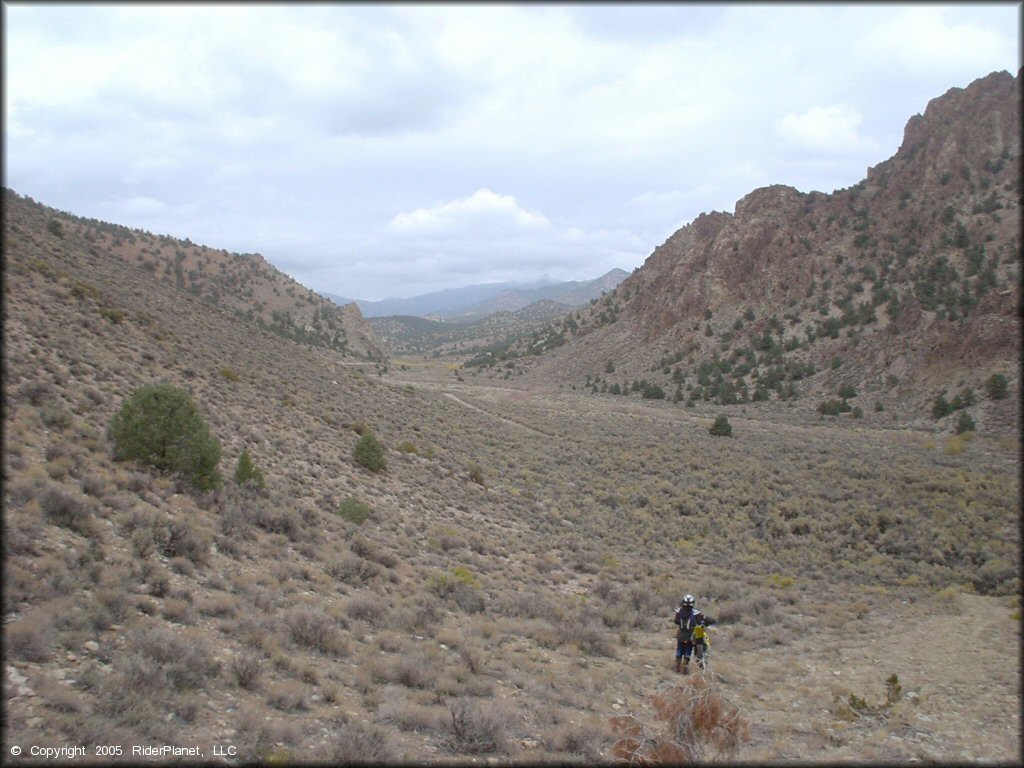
[160,425]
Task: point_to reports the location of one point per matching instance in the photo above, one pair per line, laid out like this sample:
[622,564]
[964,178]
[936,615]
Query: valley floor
[953,656]
[539,594]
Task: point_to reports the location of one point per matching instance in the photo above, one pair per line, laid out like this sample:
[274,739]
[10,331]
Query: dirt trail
[510,422]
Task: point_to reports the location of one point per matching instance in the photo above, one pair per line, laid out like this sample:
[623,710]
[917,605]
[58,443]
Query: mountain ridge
[907,278]
[474,302]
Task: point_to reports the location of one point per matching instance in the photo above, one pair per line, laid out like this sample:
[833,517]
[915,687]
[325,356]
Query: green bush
[847,391]
[370,453]
[247,472]
[160,425]
[653,392]
[721,427]
[354,510]
[833,407]
[941,407]
[996,386]
[964,423]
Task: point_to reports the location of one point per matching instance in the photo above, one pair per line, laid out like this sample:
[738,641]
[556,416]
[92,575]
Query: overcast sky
[391,150]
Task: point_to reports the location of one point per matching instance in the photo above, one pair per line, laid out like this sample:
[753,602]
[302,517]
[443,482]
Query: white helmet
[687,600]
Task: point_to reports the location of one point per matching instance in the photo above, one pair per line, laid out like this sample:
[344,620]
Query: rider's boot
[686,667]
[678,662]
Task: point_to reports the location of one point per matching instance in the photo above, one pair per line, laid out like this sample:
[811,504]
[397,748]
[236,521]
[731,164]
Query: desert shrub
[964,423]
[473,728]
[287,522]
[366,608]
[699,724]
[407,447]
[997,577]
[32,638]
[353,570]
[653,392]
[187,540]
[721,427]
[408,715]
[459,586]
[847,391]
[354,510]
[833,407]
[263,739]
[954,446]
[585,631]
[371,551]
[941,407]
[476,474]
[996,386]
[288,697]
[68,511]
[361,744]
[370,453]
[311,629]
[161,426]
[417,671]
[159,658]
[94,485]
[575,739]
[247,472]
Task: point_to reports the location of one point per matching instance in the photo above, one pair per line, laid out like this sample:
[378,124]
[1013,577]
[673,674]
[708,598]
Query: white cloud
[825,129]
[483,211]
[930,39]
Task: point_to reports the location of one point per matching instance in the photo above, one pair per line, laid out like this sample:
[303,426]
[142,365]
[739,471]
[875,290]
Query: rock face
[361,338]
[919,261]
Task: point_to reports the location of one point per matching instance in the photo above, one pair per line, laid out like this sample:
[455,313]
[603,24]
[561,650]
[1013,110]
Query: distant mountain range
[478,301]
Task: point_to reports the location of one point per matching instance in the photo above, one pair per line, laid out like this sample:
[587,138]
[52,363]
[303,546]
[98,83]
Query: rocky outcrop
[924,253]
[361,338]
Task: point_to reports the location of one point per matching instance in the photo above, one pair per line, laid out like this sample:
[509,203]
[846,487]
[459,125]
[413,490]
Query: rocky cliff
[903,285]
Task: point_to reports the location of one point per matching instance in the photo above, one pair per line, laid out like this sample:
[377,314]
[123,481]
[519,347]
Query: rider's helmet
[687,601]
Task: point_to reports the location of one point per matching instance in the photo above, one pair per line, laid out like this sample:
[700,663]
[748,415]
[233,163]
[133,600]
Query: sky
[390,150]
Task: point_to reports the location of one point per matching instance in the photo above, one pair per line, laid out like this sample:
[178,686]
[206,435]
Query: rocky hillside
[245,284]
[904,287]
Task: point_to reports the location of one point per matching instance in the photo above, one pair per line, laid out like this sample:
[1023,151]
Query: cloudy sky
[391,150]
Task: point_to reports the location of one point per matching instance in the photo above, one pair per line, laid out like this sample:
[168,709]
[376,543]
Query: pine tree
[247,472]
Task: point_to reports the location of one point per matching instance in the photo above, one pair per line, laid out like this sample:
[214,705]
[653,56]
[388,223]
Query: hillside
[904,287]
[406,335]
[245,284]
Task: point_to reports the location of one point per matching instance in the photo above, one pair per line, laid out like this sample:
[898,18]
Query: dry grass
[698,725]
